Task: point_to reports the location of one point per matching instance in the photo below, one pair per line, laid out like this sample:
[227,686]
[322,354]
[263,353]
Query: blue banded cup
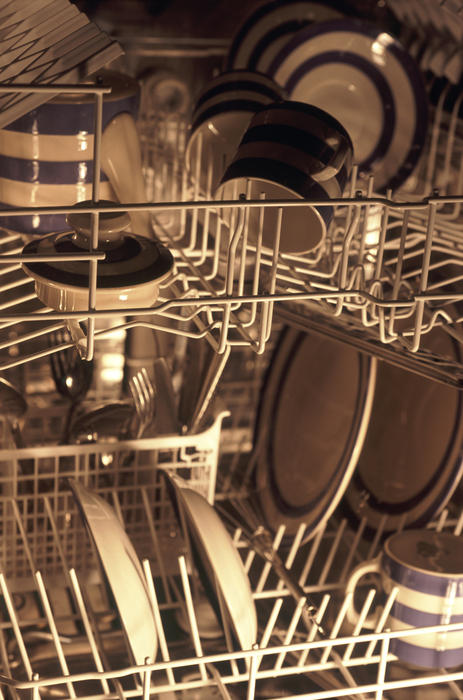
[221,115]
[291,150]
[426,569]
[46,156]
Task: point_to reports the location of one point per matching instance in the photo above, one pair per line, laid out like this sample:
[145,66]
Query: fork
[143,395]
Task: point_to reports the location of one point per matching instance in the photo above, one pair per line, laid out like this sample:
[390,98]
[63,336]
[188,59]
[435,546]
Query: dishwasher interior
[384,290]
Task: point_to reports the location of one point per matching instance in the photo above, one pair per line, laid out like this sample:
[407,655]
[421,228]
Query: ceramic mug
[291,150]
[427,568]
[46,156]
[220,117]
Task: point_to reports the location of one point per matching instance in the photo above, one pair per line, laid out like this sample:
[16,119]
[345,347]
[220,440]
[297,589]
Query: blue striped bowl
[290,150]
[46,156]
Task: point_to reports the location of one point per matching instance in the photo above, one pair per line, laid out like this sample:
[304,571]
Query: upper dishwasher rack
[388,272]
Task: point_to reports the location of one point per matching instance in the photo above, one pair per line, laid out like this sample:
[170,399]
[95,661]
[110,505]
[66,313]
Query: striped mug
[424,569]
[291,150]
[46,156]
[220,117]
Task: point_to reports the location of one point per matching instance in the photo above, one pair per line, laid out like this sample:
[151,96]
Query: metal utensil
[260,539]
[143,394]
[13,406]
[72,376]
[109,421]
[166,420]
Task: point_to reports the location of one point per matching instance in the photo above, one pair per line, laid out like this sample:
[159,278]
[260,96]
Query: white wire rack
[33,479]
[60,636]
[390,267]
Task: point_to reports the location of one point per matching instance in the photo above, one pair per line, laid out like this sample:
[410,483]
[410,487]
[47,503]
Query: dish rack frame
[387,273]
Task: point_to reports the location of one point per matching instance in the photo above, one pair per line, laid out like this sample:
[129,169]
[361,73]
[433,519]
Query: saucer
[371,85]
[267,29]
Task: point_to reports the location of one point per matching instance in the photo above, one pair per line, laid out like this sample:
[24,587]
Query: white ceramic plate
[365,79]
[412,458]
[123,572]
[313,416]
[268,28]
[217,559]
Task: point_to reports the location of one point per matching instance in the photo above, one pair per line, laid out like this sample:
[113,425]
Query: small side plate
[123,572]
[313,416]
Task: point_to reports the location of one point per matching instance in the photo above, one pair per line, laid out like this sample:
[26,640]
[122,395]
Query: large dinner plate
[217,560]
[266,30]
[412,459]
[123,572]
[313,416]
[366,79]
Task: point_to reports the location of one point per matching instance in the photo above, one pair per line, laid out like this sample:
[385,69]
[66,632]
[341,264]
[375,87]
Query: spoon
[110,421]
[73,377]
[12,407]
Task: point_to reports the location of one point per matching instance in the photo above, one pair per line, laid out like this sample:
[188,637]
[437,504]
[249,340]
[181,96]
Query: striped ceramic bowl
[220,118]
[46,156]
[425,570]
[291,150]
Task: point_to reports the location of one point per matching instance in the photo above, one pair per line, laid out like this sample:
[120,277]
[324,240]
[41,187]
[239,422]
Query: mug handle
[341,153]
[368,567]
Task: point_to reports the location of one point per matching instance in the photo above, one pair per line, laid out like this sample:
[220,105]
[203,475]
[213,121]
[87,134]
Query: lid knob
[110,224]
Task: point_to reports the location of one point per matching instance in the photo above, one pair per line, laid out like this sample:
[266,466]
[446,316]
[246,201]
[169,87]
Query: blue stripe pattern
[419,618]
[280,173]
[272,92]
[33,225]
[46,172]
[430,584]
[68,118]
[426,657]
[377,80]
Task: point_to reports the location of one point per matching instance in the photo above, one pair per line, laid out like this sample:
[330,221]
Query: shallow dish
[412,459]
[217,561]
[370,84]
[123,572]
[267,29]
[312,420]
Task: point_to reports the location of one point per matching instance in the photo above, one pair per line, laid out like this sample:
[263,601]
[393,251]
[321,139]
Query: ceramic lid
[121,86]
[130,261]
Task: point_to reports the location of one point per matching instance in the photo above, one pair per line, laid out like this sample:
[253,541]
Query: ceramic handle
[369,567]
[121,161]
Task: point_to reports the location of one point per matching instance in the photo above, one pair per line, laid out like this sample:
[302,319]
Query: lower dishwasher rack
[59,631]
[59,635]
